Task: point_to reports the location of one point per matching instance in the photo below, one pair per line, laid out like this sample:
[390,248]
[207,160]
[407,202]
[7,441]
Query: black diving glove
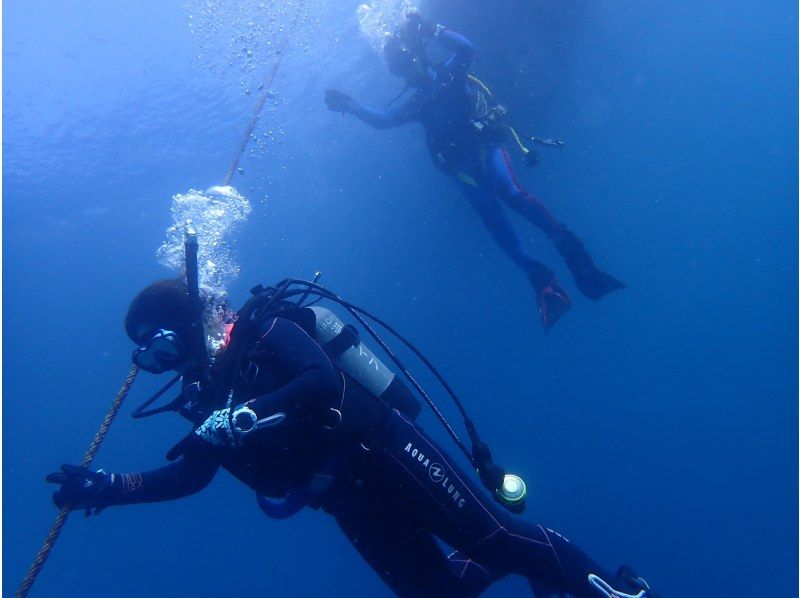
[338,101]
[82,488]
[416,26]
[532,158]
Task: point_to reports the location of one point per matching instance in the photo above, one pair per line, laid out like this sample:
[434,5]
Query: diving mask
[162,352]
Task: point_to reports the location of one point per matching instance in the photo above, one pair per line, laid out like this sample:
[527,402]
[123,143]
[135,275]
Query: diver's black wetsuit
[395,491]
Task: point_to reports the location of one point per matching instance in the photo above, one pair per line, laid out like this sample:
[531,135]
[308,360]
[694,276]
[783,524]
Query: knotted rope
[47,546]
[55,530]
[266,86]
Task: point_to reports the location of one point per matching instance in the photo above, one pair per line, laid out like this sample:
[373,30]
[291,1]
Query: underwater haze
[656,427]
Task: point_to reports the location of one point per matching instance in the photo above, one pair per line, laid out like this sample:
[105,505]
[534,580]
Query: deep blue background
[657,427]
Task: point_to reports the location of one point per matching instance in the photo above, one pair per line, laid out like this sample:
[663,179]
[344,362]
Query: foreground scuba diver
[465,130]
[296,407]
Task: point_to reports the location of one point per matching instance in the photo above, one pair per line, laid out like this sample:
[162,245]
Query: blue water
[657,427]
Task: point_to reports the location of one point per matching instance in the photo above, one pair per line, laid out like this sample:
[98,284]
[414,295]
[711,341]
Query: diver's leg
[452,506]
[593,282]
[491,212]
[504,182]
[552,300]
[471,573]
[406,556]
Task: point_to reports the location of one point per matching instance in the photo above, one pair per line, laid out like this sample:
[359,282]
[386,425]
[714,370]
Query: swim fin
[553,301]
[592,282]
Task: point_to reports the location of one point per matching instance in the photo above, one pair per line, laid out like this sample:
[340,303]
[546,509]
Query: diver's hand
[532,158]
[82,488]
[214,433]
[415,25]
[338,101]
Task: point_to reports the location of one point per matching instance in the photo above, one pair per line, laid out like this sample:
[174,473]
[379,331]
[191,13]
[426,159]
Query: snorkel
[197,340]
[198,386]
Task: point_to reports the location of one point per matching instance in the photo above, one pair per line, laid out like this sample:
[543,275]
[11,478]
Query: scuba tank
[342,344]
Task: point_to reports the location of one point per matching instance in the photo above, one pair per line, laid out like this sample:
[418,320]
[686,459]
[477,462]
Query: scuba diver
[465,130]
[297,408]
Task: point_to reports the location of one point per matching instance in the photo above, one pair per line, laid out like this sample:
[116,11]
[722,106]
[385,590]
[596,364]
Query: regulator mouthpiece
[513,493]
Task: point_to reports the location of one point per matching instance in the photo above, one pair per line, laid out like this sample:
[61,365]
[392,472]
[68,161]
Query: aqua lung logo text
[415,454]
[437,473]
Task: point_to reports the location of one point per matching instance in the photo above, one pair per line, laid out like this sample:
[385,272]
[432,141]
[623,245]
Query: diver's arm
[82,488]
[379,119]
[182,478]
[290,354]
[463,50]
[418,28]
[310,386]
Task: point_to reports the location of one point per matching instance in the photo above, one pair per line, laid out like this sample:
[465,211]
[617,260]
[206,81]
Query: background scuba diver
[305,430]
[465,131]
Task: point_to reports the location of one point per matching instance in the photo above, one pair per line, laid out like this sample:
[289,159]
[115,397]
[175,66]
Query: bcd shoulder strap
[340,343]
